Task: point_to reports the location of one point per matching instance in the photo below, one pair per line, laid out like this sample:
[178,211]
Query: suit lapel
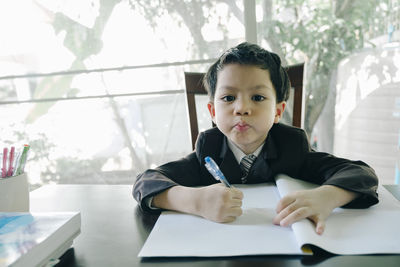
[229,166]
[260,172]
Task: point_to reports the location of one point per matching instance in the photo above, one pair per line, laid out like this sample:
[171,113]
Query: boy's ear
[280,108]
[211,109]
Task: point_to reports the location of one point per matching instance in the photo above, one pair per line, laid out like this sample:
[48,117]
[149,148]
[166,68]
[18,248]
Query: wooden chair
[194,86]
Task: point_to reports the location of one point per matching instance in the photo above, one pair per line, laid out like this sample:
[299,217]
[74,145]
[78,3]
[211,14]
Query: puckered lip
[242,126]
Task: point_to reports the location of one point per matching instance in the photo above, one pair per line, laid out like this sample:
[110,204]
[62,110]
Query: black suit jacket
[286,150]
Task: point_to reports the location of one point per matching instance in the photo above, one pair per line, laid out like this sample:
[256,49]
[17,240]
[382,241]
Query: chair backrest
[194,86]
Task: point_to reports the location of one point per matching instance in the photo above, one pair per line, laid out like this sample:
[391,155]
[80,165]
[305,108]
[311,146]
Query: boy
[248,90]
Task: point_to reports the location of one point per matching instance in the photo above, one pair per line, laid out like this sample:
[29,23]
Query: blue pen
[212,167]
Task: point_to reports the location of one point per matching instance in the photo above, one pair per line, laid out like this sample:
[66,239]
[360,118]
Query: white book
[35,239]
[348,231]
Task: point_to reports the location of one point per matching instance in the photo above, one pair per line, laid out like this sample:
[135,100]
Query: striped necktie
[245,165]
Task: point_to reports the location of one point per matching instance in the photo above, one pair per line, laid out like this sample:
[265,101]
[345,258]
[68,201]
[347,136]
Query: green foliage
[194,14]
[71,167]
[50,87]
[82,42]
[323,32]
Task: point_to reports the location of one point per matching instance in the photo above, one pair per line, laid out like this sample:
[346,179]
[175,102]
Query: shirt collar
[239,153]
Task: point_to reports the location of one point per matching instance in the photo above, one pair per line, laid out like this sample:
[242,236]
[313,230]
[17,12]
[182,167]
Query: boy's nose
[242,107]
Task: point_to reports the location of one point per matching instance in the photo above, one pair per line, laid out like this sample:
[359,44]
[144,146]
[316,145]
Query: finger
[297,215]
[278,218]
[284,202]
[283,213]
[236,193]
[320,227]
[228,219]
[236,203]
[235,212]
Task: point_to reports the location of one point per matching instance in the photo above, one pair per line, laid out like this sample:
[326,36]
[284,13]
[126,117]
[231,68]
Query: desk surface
[114,229]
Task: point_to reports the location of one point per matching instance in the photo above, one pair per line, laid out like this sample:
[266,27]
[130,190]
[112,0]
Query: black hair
[253,55]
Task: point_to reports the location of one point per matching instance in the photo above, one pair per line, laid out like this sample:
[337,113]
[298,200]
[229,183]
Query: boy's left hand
[315,204]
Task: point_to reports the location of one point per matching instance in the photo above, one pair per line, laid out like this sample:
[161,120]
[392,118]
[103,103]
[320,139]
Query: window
[96,87]
[352,81]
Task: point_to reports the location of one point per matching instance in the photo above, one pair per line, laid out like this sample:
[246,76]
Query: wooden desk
[114,230]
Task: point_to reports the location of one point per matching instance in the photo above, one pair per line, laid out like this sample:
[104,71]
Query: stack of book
[30,239]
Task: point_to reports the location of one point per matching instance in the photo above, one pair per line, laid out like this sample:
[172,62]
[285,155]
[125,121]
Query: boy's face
[244,107]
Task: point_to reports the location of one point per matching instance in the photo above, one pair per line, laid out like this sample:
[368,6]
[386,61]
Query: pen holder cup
[14,194]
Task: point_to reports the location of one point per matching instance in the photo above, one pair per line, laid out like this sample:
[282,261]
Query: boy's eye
[257,98]
[228,98]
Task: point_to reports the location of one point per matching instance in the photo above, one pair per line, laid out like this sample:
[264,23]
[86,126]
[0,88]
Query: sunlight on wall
[374,69]
[367,125]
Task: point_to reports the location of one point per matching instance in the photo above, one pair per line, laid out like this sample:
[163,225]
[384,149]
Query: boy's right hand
[219,203]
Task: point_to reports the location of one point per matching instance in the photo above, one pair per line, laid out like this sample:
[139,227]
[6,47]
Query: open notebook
[35,239]
[348,231]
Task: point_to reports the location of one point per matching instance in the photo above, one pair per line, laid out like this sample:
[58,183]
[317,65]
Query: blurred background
[96,87]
